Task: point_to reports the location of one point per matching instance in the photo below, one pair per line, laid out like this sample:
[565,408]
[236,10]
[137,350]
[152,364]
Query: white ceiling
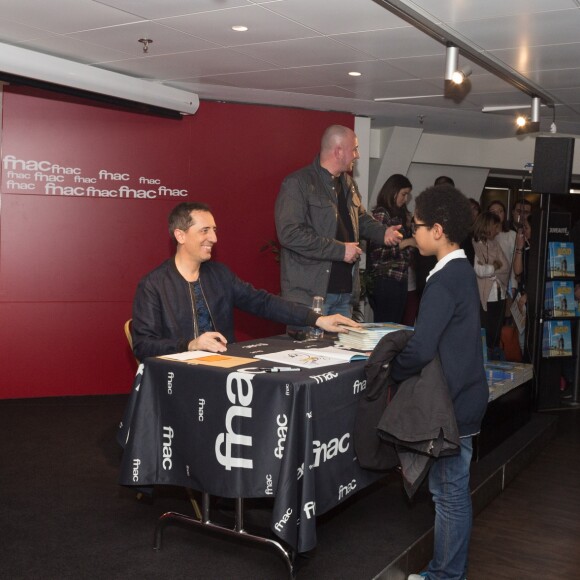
[299,52]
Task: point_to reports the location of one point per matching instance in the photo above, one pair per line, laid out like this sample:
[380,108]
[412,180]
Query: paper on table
[221,360]
[339,353]
[188,355]
[202,357]
[313,358]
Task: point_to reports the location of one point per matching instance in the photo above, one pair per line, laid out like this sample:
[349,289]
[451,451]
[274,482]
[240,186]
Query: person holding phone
[389,266]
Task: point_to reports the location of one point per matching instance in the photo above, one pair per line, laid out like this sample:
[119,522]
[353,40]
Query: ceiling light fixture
[240,28]
[28,64]
[530,123]
[441,32]
[521,121]
[145,42]
[354,74]
[460,75]
[536,104]
[451,61]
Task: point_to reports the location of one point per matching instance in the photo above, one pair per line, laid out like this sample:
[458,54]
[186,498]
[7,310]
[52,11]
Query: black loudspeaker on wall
[553,159]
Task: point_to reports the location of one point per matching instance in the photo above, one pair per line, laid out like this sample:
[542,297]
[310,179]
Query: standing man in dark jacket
[320,219]
[448,325]
[187,303]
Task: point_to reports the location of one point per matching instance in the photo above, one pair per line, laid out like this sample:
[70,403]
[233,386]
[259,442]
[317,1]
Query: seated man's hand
[210,341]
[393,236]
[336,323]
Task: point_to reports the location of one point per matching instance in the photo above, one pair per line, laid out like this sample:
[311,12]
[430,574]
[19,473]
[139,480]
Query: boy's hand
[393,236]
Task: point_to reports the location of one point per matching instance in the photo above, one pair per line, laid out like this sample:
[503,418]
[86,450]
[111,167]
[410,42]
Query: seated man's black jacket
[163,309]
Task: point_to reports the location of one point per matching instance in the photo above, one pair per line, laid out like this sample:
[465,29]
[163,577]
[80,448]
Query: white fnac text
[167,439]
[280,524]
[282,422]
[325,451]
[240,392]
[269,485]
[344,490]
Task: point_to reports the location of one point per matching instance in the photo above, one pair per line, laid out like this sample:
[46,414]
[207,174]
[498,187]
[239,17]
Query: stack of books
[367,337]
[503,376]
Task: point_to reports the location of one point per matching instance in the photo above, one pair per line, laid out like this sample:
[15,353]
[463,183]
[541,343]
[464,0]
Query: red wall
[69,264]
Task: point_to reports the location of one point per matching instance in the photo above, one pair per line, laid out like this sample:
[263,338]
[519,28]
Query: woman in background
[475,208]
[389,265]
[492,270]
[512,244]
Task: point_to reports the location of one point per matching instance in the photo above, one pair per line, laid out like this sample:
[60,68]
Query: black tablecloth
[242,432]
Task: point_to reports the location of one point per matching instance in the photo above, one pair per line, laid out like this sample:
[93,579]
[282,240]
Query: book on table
[368,335]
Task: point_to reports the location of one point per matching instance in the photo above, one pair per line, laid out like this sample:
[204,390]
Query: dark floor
[62,514]
[532,530]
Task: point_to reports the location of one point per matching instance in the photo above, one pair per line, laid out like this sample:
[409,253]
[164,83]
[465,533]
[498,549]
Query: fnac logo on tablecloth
[358,386]
[240,392]
[167,451]
[279,525]
[170,376]
[323,452]
[281,432]
[344,490]
[136,464]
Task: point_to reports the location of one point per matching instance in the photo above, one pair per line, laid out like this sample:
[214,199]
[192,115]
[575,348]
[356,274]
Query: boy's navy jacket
[414,427]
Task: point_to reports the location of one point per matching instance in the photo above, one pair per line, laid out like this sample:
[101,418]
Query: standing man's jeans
[338,304]
[449,484]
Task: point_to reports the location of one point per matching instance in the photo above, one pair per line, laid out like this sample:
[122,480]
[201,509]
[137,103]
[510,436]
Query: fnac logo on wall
[240,392]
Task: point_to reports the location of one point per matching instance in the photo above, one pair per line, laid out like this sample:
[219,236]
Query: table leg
[206,524]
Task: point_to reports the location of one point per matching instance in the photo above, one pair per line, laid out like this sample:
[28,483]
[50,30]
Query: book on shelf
[557,338]
[560,263]
[559,298]
[368,336]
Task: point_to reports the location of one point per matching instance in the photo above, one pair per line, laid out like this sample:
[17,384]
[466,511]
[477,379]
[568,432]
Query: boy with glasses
[448,326]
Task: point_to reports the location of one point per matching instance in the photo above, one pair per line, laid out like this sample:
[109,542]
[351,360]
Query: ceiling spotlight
[451,61]
[461,74]
[240,28]
[521,121]
[354,74]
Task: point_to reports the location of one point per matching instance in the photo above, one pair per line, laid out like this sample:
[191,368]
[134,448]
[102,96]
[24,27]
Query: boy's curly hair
[447,206]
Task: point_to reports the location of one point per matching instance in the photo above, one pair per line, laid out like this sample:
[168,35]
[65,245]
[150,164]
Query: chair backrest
[127,328]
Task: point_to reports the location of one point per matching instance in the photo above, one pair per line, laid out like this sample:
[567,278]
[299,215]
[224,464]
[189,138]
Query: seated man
[187,303]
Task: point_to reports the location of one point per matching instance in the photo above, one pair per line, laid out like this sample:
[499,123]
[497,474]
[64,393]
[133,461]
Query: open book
[311,358]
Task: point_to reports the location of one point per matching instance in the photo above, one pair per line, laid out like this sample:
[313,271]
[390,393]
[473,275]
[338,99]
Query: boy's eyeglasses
[415,226]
